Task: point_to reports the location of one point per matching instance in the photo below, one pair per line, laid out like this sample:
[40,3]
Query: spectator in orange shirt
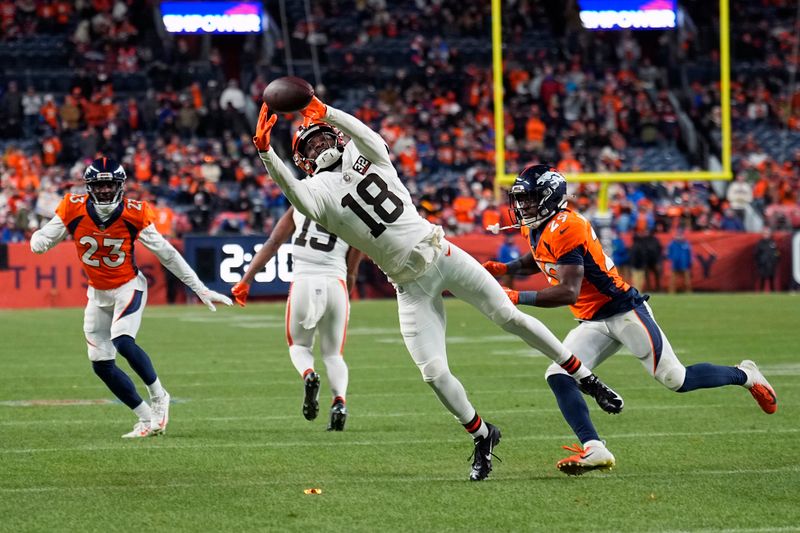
[49,112]
[464,209]
[535,130]
[51,149]
[568,164]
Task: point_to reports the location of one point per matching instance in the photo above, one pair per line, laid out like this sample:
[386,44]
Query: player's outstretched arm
[175,263]
[280,234]
[525,266]
[295,190]
[369,143]
[48,236]
[354,257]
[566,292]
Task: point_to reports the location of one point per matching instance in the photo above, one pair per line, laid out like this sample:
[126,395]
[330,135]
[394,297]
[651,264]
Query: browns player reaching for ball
[354,191]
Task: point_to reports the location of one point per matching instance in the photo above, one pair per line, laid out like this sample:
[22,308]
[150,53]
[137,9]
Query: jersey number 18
[376,201]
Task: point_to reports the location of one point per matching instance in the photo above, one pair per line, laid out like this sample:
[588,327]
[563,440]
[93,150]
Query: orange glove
[495,268]
[263,128]
[511,293]
[314,112]
[240,292]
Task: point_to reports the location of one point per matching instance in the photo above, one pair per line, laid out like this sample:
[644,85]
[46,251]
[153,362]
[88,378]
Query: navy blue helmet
[105,181]
[538,193]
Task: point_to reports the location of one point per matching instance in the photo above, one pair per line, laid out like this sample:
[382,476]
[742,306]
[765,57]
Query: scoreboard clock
[221,261]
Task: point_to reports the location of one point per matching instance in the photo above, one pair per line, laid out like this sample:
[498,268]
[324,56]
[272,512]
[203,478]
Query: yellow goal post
[502,178]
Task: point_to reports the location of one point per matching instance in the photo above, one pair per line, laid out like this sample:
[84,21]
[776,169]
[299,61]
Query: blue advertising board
[220,261]
[212,17]
[628,14]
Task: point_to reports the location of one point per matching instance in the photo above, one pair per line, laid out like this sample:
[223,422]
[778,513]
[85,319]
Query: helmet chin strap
[328,158]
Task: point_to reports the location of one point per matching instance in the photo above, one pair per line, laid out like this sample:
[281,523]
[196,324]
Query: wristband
[514,266]
[527,297]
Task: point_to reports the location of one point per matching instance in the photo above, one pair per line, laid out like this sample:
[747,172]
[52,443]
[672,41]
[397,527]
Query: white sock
[155,389]
[337,374]
[301,357]
[143,412]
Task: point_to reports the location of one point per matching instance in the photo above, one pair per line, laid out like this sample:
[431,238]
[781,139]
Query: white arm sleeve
[295,190]
[48,236]
[170,257]
[369,144]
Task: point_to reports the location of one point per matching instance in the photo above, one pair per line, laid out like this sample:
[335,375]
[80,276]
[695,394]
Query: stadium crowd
[181,123]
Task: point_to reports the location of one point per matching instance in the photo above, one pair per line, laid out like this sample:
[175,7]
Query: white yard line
[302,482]
[369,414]
[167,444]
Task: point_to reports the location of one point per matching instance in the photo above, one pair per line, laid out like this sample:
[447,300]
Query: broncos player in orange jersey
[611,313]
[104,226]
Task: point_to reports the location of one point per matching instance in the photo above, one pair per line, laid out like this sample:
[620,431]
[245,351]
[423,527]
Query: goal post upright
[502,177]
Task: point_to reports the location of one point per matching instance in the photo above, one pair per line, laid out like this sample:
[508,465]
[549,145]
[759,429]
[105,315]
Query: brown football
[288,94]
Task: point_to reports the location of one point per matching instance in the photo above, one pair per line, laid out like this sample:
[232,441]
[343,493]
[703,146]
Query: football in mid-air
[288,94]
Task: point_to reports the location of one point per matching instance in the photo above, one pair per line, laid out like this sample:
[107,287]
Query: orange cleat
[594,456]
[759,387]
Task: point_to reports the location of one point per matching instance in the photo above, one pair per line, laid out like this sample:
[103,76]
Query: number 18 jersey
[105,248]
[368,206]
[315,251]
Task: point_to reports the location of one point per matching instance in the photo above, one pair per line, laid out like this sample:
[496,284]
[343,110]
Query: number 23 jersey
[105,249]
[569,239]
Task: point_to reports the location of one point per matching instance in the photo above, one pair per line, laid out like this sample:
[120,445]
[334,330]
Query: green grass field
[238,454]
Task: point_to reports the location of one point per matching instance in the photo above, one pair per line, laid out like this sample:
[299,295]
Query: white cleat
[594,456]
[160,418]
[140,431]
[759,387]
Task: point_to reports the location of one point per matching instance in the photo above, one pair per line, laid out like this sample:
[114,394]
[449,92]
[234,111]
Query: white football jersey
[364,203]
[315,251]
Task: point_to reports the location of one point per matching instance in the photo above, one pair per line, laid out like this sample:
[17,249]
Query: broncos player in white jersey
[324,271]
[354,191]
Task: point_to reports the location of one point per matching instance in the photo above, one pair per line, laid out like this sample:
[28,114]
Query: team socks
[136,357]
[337,374]
[575,368]
[573,406]
[708,376]
[477,427]
[118,382]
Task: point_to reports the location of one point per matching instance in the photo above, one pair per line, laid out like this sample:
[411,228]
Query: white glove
[208,297]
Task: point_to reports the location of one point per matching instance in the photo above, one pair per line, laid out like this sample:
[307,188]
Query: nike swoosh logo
[562,231]
[448,252]
[586,455]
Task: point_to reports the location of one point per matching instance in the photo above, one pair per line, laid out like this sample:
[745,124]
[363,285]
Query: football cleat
[482,454]
[594,456]
[338,417]
[160,417]
[608,400]
[311,396]
[759,387]
[140,430]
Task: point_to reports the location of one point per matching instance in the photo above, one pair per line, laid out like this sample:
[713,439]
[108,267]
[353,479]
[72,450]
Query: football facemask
[538,193]
[105,181]
[317,147]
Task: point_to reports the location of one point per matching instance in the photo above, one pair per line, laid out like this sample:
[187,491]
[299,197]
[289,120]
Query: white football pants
[111,313]
[594,341]
[319,304]
[423,322]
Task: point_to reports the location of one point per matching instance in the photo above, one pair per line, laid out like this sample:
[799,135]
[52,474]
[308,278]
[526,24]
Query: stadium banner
[721,261]
[212,17]
[220,261]
[56,279]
